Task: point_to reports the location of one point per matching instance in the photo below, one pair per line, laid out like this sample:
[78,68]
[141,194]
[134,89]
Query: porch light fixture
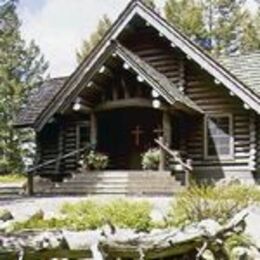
[140,79]
[155,94]
[246,106]
[90,84]
[102,69]
[231,93]
[114,54]
[161,35]
[173,45]
[76,107]
[126,66]
[156,103]
[217,82]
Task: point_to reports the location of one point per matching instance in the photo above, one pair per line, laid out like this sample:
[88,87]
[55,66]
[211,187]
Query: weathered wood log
[117,244]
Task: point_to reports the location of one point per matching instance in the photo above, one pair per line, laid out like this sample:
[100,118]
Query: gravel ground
[23,207]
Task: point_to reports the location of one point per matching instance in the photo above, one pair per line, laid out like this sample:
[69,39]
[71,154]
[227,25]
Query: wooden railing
[33,171]
[176,155]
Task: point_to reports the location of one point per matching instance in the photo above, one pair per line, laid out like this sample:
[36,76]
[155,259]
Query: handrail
[176,155]
[40,166]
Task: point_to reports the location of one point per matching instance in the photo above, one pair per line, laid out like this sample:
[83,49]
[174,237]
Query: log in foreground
[103,244]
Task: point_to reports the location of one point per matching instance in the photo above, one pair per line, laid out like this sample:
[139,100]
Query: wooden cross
[158,131]
[137,133]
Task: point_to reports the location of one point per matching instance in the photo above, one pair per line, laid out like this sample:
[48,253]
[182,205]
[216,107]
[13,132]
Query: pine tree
[187,16]
[21,67]
[103,25]
[219,26]
[150,3]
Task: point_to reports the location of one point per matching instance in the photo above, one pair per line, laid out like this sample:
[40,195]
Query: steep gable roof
[138,8]
[38,100]
[246,68]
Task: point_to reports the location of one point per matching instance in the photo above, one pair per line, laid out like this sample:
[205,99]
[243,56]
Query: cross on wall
[137,132]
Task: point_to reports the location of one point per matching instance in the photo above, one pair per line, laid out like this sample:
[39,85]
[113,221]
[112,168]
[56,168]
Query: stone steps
[10,190]
[118,182]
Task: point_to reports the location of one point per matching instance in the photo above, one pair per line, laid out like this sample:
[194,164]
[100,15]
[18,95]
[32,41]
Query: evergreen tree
[150,3]
[103,25]
[21,67]
[219,26]
[187,16]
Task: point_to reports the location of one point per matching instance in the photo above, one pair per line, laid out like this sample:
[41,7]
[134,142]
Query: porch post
[166,139]
[93,130]
[167,128]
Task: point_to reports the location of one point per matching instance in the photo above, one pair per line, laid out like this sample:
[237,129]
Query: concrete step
[118,182]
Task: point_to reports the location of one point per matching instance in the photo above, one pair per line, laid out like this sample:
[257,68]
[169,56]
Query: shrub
[90,215]
[127,214]
[96,161]
[151,159]
[218,203]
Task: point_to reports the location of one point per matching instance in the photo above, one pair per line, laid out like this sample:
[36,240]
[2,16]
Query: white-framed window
[218,136]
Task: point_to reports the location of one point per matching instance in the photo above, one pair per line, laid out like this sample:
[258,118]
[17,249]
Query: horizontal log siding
[212,98]
[258,146]
[215,99]
[48,148]
[59,140]
[159,54]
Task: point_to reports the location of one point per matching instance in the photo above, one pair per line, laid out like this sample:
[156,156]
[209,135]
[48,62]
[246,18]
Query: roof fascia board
[78,75]
[206,62]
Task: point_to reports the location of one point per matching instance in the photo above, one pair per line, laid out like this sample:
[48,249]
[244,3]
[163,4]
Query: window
[219,136]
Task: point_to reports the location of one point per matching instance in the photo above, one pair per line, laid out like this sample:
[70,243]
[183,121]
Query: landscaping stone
[5,215]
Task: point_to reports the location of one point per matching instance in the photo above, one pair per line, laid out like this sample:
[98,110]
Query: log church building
[147,85]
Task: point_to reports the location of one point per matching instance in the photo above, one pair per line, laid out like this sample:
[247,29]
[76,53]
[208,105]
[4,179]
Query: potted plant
[151,159]
[95,161]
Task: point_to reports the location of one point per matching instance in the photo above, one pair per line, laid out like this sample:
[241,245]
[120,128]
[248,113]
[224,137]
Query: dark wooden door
[126,134]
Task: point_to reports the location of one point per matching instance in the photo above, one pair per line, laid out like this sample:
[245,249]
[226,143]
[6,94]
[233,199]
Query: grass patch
[12,178]
[90,215]
[218,203]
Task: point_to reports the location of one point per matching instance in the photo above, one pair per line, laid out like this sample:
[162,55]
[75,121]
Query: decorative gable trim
[172,34]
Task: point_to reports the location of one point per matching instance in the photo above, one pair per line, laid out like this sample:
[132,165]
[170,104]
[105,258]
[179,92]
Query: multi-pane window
[218,136]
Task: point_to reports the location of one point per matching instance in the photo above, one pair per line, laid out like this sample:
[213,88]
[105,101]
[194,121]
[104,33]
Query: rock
[242,253]
[48,240]
[228,181]
[252,225]
[39,184]
[208,255]
[5,215]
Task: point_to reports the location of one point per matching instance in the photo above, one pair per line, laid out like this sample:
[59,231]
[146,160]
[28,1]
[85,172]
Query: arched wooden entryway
[125,134]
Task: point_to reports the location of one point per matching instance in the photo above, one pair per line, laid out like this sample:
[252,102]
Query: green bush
[96,161]
[151,159]
[218,203]
[90,215]
[127,214]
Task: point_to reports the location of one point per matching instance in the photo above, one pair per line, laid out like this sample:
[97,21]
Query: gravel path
[25,207]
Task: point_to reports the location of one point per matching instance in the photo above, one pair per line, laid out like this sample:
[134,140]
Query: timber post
[162,157]
[93,130]
[30,184]
[188,172]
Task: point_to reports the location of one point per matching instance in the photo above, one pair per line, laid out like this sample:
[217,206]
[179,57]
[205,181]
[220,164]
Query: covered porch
[129,104]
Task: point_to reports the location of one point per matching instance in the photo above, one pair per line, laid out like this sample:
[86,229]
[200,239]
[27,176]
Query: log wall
[258,147]
[212,98]
[58,139]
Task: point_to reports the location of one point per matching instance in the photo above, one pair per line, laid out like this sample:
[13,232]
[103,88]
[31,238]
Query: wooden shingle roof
[38,100]
[169,90]
[246,68]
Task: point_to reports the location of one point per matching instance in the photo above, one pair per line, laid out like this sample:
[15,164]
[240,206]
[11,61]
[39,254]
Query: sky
[60,26]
